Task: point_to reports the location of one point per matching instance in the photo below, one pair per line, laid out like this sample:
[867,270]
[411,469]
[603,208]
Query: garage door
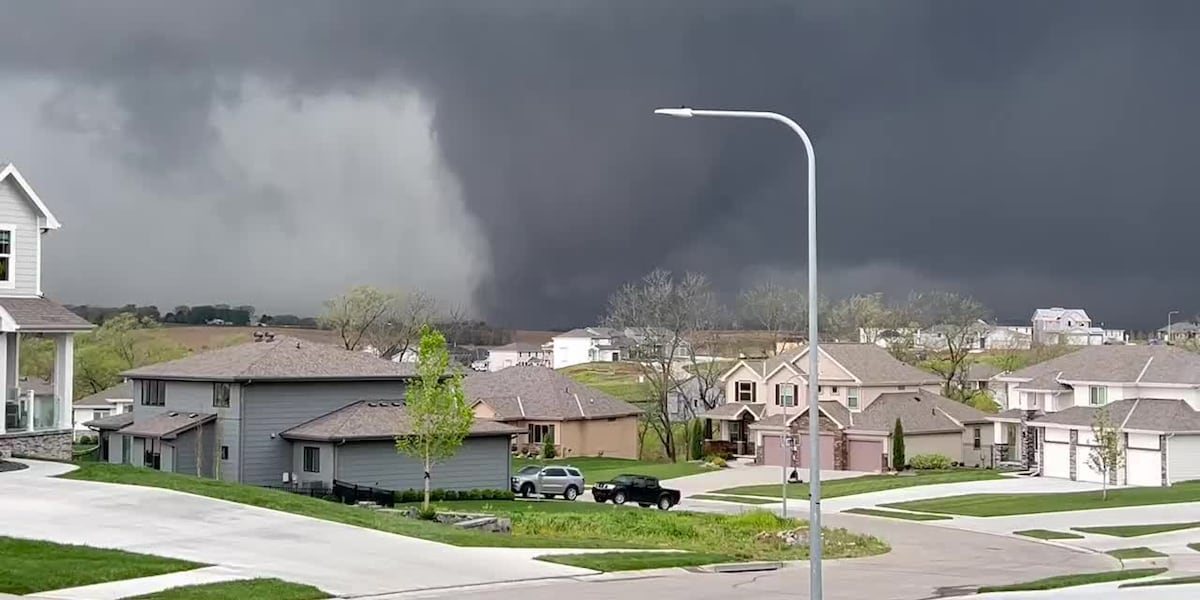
[865,455]
[772,452]
[1144,467]
[1057,461]
[1083,472]
[826,451]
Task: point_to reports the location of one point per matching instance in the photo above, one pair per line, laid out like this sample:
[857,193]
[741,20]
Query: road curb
[746,567]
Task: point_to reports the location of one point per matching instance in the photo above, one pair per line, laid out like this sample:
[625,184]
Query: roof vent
[172,414]
[258,336]
[397,404]
[193,415]
[371,404]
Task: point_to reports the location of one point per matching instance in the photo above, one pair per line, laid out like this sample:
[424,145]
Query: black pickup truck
[635,488]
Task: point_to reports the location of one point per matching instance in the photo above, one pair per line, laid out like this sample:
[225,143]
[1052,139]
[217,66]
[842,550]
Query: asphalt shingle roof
[531,392]
[982,372]
[166,425]
[382,420]
[1153,364]
[41,314]
[123,390]
[1045,382]
[870,363]
[731,410]
[831,408]
[282,358]
[111,422]
[1148,414]
[919,411]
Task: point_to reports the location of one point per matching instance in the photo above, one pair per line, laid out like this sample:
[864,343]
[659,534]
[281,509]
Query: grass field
[617,379]
[535,524]
[633,561]
[1195,546]
[1046,534]
[1134,553]
[603,469]
[258,589]
[1158,582]
[1003,505]
[1127,531]
[1064,581]
[892,514]
[28,566]
[865,484]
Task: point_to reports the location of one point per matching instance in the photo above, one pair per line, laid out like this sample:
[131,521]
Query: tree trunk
[426,504]
[1104,492]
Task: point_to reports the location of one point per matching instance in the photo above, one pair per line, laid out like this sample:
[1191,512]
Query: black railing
[313,489]
[351,493]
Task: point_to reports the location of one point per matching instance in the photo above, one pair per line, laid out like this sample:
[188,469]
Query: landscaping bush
[715,461]
[548,451]
[697,445]
[426,514]
[437,495]
[927,462]
[410,496]
[898,462]
[451,495]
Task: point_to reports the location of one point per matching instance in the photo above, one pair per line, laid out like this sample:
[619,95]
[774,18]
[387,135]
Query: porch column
[4,379]
[64,377]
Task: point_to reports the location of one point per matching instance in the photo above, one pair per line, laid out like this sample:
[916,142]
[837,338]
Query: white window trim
[750,390]
[1104,395]
[853,393]
[782,401]
[12,256]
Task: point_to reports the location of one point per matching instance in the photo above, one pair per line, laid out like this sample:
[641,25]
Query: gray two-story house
[279,410]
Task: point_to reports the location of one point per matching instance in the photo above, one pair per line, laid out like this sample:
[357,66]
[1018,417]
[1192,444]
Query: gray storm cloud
[503,154]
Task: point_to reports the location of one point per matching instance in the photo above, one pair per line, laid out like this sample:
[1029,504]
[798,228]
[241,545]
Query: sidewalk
[126,588]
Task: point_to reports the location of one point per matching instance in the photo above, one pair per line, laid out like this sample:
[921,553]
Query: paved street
[337,558]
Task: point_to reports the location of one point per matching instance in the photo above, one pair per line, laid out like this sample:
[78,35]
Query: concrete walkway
[339,559]
[115,590]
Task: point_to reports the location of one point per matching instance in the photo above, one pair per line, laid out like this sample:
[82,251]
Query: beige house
[547,405]
[862,390]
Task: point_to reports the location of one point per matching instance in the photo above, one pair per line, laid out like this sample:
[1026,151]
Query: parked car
[551,481]
[635,488]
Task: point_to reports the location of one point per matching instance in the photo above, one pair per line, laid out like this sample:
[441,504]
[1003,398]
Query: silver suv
[565,481]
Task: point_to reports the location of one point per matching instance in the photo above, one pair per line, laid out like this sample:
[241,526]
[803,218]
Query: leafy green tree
[898,459]
[1107,456]
[439,417]
[548,451]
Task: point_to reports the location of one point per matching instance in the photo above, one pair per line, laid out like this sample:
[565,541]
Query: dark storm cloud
[1032,153]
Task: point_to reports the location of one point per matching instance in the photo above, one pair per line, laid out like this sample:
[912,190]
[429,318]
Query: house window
[221,395]
[126,449]
[745,391]
[6,236]
[978,440]
[833,390]
[785,394]
[224,452]
[154,392]
[312,459]
[616,357]
[99,414]
[820,389]
[540,433]
[1099,395]
[852,398]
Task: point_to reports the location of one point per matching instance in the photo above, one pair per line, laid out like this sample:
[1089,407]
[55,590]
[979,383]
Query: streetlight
[814,430]
[1173,312]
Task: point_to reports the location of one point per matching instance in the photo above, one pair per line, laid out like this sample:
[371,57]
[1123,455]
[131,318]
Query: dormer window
[6,276]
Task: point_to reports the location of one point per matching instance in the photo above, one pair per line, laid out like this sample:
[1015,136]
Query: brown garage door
[772,452]
[865,455]
[826,451]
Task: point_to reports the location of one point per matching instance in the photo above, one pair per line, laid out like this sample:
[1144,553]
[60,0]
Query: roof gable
[1141,364]
[539,393]
[10,172]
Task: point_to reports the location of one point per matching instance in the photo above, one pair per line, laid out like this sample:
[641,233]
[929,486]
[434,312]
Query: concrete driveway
[339,559]
[741,475]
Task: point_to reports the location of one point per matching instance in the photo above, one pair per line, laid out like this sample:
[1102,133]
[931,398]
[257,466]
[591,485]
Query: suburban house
[589,344]
[1180,332]
[1072,327]
[518,353]
[284,411]
[37,422]
[1007,336]
[1152,393]
[105,403]
[689,398]
[547,405]
[862,391]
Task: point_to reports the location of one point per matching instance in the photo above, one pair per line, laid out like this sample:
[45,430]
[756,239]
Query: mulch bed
[11,466]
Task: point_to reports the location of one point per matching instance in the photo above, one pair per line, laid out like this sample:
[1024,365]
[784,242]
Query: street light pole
[814,430]
[1169,313]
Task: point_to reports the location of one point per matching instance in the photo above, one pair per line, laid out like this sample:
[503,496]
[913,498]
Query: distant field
[198,338]
[617,379]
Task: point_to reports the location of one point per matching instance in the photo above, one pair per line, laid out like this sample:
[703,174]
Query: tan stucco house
[545,404]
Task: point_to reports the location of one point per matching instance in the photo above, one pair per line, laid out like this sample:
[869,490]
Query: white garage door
[1183,458]
[1144,467]
[1083,472]
[1057,461]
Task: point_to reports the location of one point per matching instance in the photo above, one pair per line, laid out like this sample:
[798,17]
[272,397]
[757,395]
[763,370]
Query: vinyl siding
[18,213]
[197,396]
[325,463]
[269,408]
[481,463]
[186,451]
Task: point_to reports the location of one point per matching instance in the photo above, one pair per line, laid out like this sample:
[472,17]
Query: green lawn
[617,379]
[1136,530]
[258,589]
[746,500]
[1046,534]
[28,566]
[535,524]
[603,469]
[1195,546]
[1133,553]
[1158,582]
[907,516]
[865,484]
[633,561]
[1064,581]
[1003,505]
[508,507]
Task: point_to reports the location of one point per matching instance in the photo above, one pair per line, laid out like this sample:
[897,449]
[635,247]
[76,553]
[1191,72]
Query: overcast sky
[503,154]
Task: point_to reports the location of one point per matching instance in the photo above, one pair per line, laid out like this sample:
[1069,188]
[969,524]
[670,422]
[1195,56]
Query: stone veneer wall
[53,445]
[841,448]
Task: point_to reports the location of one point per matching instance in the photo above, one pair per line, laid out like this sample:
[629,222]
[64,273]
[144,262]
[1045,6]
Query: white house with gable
[36,422]
[589,344]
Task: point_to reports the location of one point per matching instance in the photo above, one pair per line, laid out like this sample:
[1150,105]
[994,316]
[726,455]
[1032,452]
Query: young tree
[439,417]
[1108,454]
[353,314]
[898,458]
[772,308]
[959,320]
[661,314]
[866,312]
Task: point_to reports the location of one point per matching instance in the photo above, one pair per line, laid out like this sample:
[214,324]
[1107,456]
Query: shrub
[697,445]
[926,462]
[426,514]
[898,461]
[437,495]
[451,496]
[504,495]
[548,451]
[715,461]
